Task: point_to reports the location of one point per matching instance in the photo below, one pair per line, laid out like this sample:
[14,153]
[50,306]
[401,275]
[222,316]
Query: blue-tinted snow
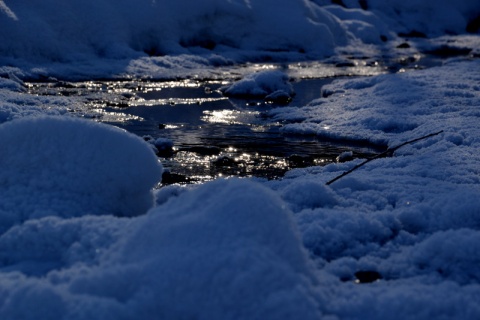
[237,249]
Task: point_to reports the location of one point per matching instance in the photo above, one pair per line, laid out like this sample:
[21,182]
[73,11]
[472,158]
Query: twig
[383,154]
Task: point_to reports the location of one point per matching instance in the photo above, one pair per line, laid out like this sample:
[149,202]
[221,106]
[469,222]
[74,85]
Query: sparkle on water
[215,136]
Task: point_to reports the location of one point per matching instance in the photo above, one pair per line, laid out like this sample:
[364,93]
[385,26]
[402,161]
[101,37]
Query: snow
[85,38]
[53,166]
[84,234]
[260,85]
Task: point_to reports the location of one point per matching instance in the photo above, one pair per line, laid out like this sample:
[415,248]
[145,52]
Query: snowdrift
[66,167]
[229,250]
[80,30]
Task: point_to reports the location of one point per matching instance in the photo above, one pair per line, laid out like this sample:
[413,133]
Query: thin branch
[381,155]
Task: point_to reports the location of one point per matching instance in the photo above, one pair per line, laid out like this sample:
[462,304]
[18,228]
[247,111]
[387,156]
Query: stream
[202,135]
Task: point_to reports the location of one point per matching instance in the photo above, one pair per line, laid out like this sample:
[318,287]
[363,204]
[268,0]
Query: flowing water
[212,135]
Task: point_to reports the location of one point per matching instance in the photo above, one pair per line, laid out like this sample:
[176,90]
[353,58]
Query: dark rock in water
[412,34]
[279,97]
[203,150]
[171,178]
[367,276]
[225,161]
[404,45]
[162,126]
[300,161]
[446,51]
[383,38]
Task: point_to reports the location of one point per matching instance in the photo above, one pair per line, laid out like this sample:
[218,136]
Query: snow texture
[81,38]
[260,85]
[83,237]
[56,166]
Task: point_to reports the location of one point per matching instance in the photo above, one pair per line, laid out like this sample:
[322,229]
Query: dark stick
[380,155]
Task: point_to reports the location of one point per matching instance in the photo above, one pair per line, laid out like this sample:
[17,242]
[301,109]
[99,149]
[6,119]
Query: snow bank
[414,218]
[393,108]
[237,249]
[229,250]
[82,39]
[60,166]
[431,17]
[117,29]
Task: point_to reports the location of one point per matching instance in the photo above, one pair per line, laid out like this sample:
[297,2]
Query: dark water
[212,135]
[216,136]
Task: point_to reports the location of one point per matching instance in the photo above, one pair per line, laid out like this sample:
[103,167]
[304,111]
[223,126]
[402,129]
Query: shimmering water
[213,135]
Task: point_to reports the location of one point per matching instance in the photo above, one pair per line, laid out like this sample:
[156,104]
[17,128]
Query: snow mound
[225,250]
[62,166]
[68,31]
[260,85]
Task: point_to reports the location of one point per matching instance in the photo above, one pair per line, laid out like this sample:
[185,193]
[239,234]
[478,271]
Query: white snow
[260,85]
[83,235]
[67,167]
[84,38]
